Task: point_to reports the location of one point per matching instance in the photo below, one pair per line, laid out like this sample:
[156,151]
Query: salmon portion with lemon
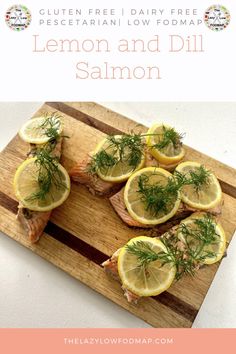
[148,266]
[41,170]
[184,210]
[34,222]
[109,165]
[80,174]
[153,196]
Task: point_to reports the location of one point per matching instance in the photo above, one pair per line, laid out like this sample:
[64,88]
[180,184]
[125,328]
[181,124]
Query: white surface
[34,293]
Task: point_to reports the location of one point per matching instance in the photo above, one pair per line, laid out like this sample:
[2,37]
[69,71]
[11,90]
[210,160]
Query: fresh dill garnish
[185,255]
[49,174]
[143,251]
[158,197]
[169,136]
[196,239]
[51,125]
[102,161]
[127,148]
[199,177]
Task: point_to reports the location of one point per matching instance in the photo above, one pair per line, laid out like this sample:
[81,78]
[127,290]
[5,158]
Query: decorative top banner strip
[157,50]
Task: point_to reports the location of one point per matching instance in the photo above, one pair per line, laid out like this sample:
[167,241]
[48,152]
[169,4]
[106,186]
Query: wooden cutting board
[85,230]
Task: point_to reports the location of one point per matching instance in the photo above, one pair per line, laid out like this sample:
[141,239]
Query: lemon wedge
[36,130]
[122,170]
[216,247]
[26,185]
[135,200]
[207,196]
[149,280]
[164,144]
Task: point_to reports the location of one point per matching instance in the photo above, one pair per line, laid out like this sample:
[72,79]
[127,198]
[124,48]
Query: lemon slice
[121,171]
[217,247]
[34,131]
[26,184]
[135,203]
[206,197]
[150,280]
[171,152]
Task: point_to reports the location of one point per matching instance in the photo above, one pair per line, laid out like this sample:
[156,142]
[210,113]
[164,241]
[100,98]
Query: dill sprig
[169,136]
[158,197]
[127,148]
[143,251]
[130,148]
[49,174]
[102,161]
[199,177]
[51,125]
[185,255]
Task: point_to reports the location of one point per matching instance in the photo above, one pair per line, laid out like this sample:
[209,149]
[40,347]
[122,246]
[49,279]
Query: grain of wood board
[76,240]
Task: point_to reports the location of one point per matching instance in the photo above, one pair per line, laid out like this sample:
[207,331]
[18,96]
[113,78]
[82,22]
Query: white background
[34,293]
[186,76]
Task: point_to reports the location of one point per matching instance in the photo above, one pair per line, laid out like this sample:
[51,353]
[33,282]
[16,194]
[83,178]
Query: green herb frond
[48,174]
[143,251]
[127,148]
[51,125]
[169,136]
[102,161]
[199,177]
[157,197]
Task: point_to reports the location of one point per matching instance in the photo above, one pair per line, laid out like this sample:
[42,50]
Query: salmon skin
[34,222]
[117,201]
[80,173]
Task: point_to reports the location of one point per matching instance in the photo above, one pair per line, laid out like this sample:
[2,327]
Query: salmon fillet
[79,173]
[34,222]
[117,201]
